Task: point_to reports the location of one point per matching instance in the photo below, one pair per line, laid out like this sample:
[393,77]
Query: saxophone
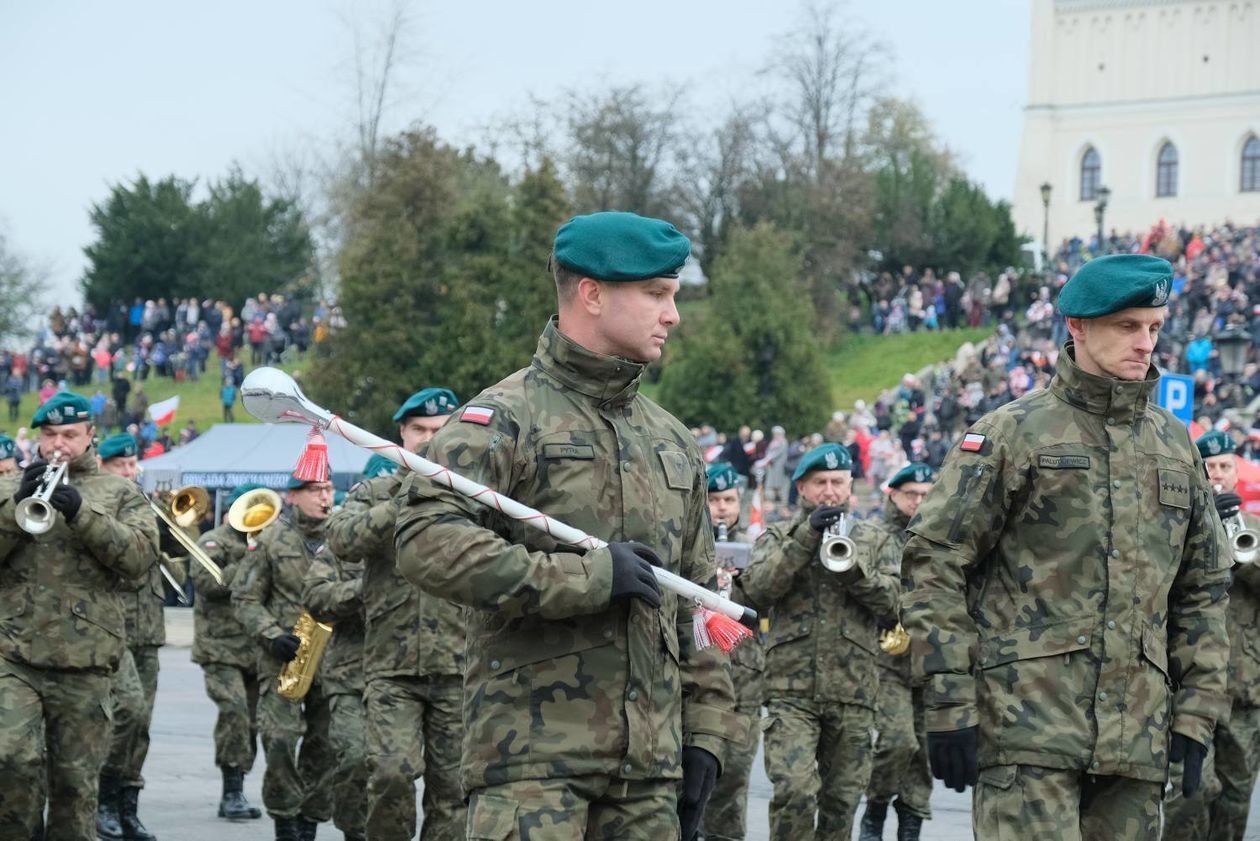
[894,641]
[299,673]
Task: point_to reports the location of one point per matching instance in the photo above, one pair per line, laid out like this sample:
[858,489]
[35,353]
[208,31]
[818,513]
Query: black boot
[108,821]
[133,829]
[873,820]
[233,805]
[908,826]
[306,829]
[287,829]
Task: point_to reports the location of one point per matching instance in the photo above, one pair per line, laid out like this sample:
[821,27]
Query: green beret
[62,408]
[620,246]
[122,445]
[428,403]
[240,491]
[1215,443]
[8,447]
[378,465]
[823,457]
[1116,282]
[913,472]
[722,477]
[296,484]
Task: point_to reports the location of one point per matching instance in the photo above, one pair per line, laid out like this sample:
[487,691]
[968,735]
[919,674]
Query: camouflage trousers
[1220,808]
[54,734]
[1020,802]
[297,780]
[900,769]
[818,758]
[414,728]
[346,732]
[726,815]
[235,693]
[134,688]
[588,808]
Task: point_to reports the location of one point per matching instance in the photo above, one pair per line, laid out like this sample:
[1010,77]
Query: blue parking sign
[1176,394]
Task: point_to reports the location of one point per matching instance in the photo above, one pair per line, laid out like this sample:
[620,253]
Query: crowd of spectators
[1212,328]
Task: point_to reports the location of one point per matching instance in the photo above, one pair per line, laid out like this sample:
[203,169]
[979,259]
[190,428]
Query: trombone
[35,514]
[187,505]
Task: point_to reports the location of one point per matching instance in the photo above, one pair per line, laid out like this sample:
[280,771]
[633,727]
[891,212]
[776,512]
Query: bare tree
[21,283]
[709,178]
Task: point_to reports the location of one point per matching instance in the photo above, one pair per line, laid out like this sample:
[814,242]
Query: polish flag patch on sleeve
[972,442]
[477,414]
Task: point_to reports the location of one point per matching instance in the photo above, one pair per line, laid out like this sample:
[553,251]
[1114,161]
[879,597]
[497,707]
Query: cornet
[1244,543]
[838,552]
[35,514]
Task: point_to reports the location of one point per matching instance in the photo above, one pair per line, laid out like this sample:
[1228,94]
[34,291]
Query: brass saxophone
[299,673]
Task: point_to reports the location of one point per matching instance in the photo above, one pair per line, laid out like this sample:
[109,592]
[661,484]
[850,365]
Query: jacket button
[1115,484]
[633,694]
[1102,696]
[1115,553]
[608,633]
[1111,624]
[1111,422]
[625,465]
[627,768]
[1082,639]
[495,664]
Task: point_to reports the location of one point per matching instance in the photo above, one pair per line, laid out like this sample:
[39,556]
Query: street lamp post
[1045,225]
[1100,212]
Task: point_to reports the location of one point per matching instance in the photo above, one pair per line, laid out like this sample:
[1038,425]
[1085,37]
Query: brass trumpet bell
[254,511]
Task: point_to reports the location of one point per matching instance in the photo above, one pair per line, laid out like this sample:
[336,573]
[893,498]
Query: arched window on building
[1250,181]
[1166,171]
[1091,174]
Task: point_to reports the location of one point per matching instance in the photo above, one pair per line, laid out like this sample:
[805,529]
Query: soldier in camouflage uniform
[62,627]
[821,673]
[228,657]
[1220,810]
[900,769]
[134,686]
[413,652]
[333,593]
[267,595]
[1071,589]
[725,818]
[585,699]
[8,456]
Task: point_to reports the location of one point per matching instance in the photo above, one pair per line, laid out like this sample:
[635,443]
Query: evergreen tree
[753,357]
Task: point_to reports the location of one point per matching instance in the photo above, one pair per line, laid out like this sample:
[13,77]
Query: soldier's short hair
[566,281]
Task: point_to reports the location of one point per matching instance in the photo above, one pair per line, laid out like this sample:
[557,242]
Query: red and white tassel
[313,465]
[712,628]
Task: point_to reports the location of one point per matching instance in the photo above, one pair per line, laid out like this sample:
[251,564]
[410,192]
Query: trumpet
[838,553]
[35,514]
[187,505]
[1244,543]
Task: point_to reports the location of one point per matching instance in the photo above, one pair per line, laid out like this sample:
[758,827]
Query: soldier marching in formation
[1077,639]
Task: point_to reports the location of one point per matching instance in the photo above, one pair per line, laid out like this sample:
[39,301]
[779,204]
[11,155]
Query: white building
[1156,100]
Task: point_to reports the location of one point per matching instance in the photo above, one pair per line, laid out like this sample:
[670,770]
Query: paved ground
[183,786]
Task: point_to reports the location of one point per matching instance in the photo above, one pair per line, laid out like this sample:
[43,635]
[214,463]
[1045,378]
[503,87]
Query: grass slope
[863,366]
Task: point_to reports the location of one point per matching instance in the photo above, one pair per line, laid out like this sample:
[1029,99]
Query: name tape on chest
[972,442]
[477,414]
[1063,462]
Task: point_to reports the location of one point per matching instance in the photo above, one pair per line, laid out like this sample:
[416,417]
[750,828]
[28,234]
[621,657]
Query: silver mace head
[272,396]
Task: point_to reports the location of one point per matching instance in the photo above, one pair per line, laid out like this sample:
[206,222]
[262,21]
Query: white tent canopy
[231,454]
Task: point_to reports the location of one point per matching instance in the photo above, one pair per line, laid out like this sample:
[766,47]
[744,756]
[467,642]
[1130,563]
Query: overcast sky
[93,93]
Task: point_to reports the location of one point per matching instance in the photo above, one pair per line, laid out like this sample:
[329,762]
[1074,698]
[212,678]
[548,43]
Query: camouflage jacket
[267,589]
[1244,628]
[824,633]
[888,537]
[409,631]
[748,659]
[145,607]
[61,592]
[559,682]
[218,636]
[333,593]
[1070,584]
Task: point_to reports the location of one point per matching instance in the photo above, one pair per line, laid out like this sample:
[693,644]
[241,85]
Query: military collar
[892,516]
[306,526]
[1118,400]
[84,464]
[610,380]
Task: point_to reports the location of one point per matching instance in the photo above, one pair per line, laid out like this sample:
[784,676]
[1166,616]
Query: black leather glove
[66,500]
[700,770]
[632,576]
[1227,504]
[953,757]
[284,648]
[887,623]
[825,516]
[167,542]
[30,479]
[1191,754]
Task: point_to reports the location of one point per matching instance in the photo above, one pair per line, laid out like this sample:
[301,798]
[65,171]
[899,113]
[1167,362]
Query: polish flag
[756,522]
[163,411]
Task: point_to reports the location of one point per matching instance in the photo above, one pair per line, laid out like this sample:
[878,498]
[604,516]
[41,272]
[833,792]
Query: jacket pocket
[491,818]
